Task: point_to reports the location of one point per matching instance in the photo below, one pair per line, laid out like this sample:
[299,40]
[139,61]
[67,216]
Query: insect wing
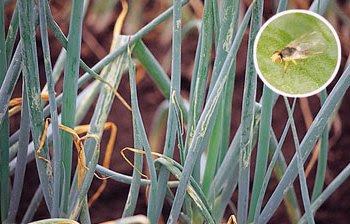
[309,44]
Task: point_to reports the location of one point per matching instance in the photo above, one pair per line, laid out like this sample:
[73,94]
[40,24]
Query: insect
[305,46]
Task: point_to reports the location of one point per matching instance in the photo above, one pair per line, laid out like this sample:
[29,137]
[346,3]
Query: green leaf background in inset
[309,74]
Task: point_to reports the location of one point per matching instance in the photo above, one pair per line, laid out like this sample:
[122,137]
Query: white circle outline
[256,45]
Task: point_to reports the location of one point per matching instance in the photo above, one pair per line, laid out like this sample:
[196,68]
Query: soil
[111,203]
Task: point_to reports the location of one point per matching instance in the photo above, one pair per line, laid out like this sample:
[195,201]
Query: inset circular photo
[297,53]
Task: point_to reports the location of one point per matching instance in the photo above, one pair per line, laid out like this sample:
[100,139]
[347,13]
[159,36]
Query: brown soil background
[111,203]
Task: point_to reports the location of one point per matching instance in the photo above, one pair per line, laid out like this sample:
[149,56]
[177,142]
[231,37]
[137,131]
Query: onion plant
[197,127]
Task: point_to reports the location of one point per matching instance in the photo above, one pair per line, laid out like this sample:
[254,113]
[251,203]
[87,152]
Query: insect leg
[294,62]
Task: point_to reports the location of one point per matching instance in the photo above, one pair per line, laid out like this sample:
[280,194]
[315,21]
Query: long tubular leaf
[79,199]
[4,127]
[322,158]
[228,29]
[306,145]
[224,198]
[198,95]
[10,81]
[218,142]
[173,164]
[302,178]
[14,148]
[122,178]
[21,158]
[110,57]
[226,179]
[213,150]
[227,176]
[193,188]
[33,206]
[204,127]
[228,91]
[193,81]
[282,5]
[14,138]
[195,74]
[60,61]
[58,67]
[226,170]
[158,124]
[53,110]
[199,79]
[81,81]
[13,72]
[151,209]
[85,100]
[216,21]
[170,198]
[334,185]
[3,57]
[113,74]
[86,96]
[319,6]
[153,68]
[85,215]
[156,73]
[247,117]
[70,88]
[267,176]
[131,201]
[98,67]
[4,166]
[290,200]
[262,151]
[264,135]
[92,72]
[31,71]
[12,33]
[88,93]
[175,87]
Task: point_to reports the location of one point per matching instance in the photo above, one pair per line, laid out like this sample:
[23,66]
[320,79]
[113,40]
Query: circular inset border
[290,12]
